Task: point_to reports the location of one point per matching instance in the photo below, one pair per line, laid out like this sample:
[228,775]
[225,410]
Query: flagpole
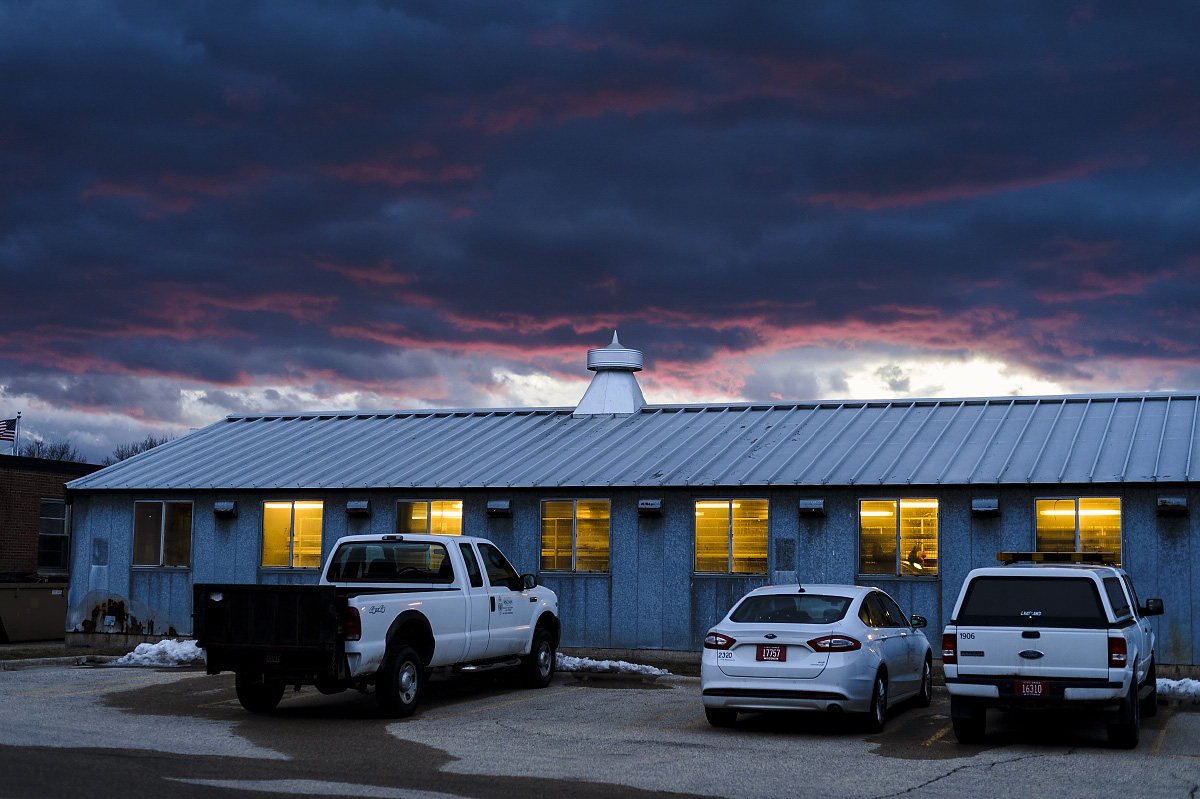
[17,436]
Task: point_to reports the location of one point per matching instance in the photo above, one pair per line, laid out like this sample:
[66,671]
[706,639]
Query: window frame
[1076,498]
[696,505]
[162,533]
[291,535]
[428,503]
[897,572]
[64,536]
[574,569]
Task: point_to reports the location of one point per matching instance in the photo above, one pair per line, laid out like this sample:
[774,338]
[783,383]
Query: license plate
[1032,688]
[774,654]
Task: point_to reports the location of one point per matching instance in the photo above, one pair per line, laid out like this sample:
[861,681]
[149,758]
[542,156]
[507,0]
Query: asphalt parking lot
[182,733]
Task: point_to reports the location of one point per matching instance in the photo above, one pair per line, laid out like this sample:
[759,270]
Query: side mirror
[530,581]
[1154,607]
[919,621]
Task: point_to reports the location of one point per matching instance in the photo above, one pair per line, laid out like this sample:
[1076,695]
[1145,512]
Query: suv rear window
[391,562]
[1032,602]
[791,609]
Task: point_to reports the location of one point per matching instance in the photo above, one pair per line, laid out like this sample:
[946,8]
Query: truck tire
[1150,703]
[969,720]
[255,693]
[537,668]
[1124,732]
[398,686]
[877,713]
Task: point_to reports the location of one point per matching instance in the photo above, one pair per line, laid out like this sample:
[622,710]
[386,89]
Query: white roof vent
[614,389]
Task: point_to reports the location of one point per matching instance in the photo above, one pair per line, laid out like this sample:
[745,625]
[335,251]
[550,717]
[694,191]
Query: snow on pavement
[164,653]
[568,663]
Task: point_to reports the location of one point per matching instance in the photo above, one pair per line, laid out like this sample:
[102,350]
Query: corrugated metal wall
[651,599]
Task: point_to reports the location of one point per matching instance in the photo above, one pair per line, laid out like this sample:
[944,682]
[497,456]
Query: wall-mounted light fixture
[358,507]
[650,507]
[812,507]
[499,508]
[1172,506]
[985,506]
[225,509]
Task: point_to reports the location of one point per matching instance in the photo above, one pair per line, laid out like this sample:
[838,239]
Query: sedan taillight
[835,643]
[1118,653]
[352,624]
[718,641]
[949,649]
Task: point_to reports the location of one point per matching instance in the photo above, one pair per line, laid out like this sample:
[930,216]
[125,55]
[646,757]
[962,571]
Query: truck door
[477,606]
[508,627]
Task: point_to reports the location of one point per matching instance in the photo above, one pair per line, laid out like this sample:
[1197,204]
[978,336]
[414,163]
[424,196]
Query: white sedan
[835,648]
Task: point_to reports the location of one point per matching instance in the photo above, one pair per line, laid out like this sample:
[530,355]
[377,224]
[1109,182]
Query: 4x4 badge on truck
[1031,654]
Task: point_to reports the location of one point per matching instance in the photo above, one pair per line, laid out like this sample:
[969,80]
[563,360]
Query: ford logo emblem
[770,636]
[1031,654]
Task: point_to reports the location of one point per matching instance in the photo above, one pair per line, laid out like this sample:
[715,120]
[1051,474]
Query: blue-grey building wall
[651,598]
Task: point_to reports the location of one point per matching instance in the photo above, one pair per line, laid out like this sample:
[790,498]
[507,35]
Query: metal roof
[1077,439]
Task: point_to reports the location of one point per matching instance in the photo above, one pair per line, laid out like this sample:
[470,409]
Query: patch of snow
[568,663]
[164,653]
[1178,687]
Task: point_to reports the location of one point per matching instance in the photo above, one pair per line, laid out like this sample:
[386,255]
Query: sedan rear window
[391,562]
[790,609]
[1032,602]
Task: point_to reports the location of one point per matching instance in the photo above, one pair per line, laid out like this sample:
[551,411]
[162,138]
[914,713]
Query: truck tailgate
[988,651]
[286,630]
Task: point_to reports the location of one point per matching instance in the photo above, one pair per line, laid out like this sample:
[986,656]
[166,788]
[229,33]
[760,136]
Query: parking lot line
[115,685]
[698,722]
[1162,732]
[937,736]
[526,698]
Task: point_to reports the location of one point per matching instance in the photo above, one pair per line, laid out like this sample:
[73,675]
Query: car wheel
[1150,703]
[1124,733]
[400,682]
[877,714]
[537,668]
[968,719]
[720,716]
[255,693]
[925,696]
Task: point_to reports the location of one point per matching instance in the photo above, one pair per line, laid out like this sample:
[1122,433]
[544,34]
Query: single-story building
[34,545]
[651,520]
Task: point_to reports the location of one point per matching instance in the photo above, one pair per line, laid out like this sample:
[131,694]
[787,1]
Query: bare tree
[125,451]
[62,450]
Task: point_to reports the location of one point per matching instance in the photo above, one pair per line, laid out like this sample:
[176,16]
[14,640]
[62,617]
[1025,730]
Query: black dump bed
[286,631]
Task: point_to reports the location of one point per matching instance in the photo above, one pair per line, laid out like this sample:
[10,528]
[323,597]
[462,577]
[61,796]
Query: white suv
[1051,630]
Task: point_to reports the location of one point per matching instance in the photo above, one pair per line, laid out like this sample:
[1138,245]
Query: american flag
[8,429]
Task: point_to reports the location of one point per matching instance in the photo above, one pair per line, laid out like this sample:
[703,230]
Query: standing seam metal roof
[1042,440]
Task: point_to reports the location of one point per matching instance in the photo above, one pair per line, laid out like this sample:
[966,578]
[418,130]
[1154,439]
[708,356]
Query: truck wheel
[720,716]
[1150,703]
[877,714]
[400,681]
[1124,733]
[537,668]
[968,719]
[925,695]
[255,693]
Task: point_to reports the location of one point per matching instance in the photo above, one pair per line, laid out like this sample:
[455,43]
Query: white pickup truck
[1037,633]
[388,611]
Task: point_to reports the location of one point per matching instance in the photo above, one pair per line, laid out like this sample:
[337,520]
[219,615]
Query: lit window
[439,517]
[52,536]
[731,536]
[898,537]
[1083,524]
[292,534]
[162,534]
[575,535]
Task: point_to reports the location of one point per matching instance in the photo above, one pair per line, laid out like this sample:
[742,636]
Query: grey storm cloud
[350,194]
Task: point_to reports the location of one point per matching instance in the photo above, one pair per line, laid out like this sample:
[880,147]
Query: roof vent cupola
[614,389]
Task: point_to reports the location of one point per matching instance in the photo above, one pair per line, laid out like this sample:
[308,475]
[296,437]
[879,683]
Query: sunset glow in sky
[266,206]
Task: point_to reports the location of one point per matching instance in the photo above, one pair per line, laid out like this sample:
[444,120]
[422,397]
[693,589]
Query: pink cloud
[393,174]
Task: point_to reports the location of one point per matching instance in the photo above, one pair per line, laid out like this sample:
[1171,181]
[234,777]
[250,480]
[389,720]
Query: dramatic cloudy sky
[213,208]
